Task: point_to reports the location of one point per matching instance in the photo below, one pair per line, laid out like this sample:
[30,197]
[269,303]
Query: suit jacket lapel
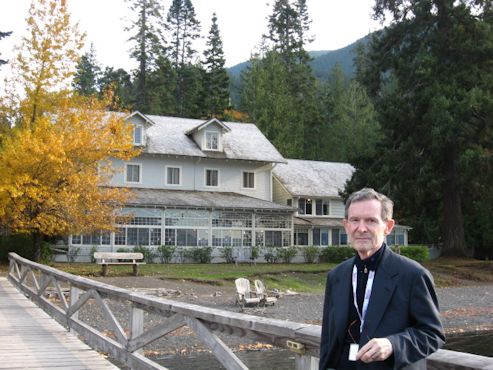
[383,288]
[342,291]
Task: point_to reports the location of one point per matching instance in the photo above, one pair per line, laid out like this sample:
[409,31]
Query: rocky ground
[465,309]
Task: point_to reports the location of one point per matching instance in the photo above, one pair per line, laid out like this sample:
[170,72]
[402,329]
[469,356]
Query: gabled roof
[303,178]
[207,123]
[141,116]
[168,135]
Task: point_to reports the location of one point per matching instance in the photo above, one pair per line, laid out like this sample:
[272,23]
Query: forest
[415,119]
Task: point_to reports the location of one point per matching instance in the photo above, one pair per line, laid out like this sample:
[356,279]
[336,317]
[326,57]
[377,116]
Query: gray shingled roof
[317,221]
[199,199]
[313,178]
[245,141]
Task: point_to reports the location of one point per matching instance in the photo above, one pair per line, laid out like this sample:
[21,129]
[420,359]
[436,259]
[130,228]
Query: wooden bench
[119,258]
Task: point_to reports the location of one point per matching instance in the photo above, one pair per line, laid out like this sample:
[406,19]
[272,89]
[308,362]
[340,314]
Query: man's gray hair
[370,194]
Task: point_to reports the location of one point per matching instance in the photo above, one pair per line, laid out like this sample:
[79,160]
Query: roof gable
[242,141]
[203,125]
[137,117]
[313,178]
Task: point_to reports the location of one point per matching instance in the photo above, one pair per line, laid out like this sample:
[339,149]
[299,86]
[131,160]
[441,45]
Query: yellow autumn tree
[54,159]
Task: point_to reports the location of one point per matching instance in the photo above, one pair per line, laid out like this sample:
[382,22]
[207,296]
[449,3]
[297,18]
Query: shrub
[336,254]
[166,253]
[147,252]
[419,253]
[72,253]
[286,253]
[93,250]
[21,244]
[271,256]
[227,254]
[46,253]
[200,254]
[311,253]
[255,253]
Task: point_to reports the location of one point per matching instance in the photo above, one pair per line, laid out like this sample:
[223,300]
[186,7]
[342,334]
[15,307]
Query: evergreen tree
[87,75]
[119,83]
[183,29]
[149,44]
[268,100]
[433,91]
[216,81]
[161,86]
[297,118]
[2,35]
[351,128]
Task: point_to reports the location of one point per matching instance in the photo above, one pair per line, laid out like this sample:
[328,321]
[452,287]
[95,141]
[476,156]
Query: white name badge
[353,350]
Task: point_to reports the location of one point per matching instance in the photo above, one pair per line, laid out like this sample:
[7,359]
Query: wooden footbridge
[31,339]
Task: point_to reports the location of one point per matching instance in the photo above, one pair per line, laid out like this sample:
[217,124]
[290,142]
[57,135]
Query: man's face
[365,228]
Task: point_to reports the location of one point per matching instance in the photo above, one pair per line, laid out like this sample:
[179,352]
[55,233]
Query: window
[132,173]
[304,206]
[211,177]
[322,207]
[249,180]
[138,135]
[211,140]
[301,236]
[173,175]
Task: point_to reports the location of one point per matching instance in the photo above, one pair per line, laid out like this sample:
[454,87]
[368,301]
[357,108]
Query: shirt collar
[370,263]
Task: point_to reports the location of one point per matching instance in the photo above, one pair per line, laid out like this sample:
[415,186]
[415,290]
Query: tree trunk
[37,240]
[454,243]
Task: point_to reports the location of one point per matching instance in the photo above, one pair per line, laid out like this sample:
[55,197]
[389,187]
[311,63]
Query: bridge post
[306,362]
[74,297]
[136,323]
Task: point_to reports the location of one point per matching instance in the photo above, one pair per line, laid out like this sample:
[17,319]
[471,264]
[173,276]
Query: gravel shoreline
[464,309]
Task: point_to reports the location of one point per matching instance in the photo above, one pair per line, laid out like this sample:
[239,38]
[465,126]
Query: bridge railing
[64,297]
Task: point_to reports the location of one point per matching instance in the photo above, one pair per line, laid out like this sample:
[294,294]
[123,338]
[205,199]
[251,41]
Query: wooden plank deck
[31,339]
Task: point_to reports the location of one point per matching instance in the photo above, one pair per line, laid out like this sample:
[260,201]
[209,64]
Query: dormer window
[212,140]
[138,135]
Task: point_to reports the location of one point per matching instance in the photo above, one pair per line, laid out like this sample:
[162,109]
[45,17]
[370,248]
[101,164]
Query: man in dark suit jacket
[380,309]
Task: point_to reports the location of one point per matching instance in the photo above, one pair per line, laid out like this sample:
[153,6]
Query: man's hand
[377,349]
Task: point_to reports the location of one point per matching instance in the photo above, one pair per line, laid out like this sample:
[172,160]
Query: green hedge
[419,253]
[334,254]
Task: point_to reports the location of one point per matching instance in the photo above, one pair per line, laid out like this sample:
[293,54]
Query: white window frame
[206,141]
[126,173]
[137,126]
[205,177]
[166,180]
[243,180]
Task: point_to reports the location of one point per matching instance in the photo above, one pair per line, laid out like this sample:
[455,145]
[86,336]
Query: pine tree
[351,129]
[297,118]
[434,95]
[119,83]
[216,81]
[183,29]
[149,44]
[86,79]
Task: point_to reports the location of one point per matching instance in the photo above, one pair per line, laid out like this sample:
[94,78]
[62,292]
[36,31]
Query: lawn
[297,277]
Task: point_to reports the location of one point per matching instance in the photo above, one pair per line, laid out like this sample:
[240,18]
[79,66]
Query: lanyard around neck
[366,300]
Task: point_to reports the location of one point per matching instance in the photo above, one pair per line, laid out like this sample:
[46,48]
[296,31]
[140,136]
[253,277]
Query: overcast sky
[335,24]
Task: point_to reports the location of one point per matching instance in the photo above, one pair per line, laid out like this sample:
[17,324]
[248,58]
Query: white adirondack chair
[262,294]
[244,295]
